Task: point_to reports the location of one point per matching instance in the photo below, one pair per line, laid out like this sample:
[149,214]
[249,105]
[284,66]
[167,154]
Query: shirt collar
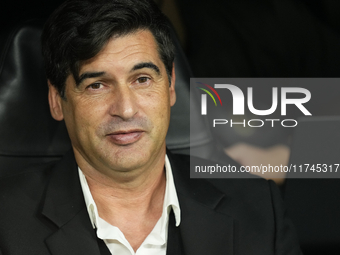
[170,199]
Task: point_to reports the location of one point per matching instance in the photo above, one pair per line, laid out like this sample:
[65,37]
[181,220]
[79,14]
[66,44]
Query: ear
[54,101]
[172,86]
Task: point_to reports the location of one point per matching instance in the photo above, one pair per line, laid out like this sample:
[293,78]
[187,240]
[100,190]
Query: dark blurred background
[239,38]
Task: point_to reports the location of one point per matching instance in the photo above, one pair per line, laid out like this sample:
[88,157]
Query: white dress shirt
[156,241]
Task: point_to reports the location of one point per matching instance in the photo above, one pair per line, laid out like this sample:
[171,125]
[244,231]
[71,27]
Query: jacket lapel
[204,228]
[65,206]
[76,237]
[205,231]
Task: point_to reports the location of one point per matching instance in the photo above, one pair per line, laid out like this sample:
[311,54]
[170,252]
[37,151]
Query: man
[109,65]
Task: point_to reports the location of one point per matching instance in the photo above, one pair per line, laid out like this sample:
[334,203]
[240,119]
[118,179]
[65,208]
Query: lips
[125,137]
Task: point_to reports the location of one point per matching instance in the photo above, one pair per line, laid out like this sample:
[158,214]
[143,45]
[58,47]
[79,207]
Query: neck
[140,194]
[137,192]
[134,206]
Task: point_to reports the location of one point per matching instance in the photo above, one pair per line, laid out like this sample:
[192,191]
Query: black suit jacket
[42,211]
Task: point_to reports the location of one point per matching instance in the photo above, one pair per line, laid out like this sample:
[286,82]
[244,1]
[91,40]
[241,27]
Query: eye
[96,85]
[143,79]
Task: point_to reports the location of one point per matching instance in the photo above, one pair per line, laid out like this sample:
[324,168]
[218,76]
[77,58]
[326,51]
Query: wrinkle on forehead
[142,38]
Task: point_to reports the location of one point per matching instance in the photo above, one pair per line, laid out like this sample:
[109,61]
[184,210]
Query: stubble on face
[104,139]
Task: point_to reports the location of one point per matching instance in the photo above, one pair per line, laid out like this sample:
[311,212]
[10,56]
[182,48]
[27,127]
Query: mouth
[125,137]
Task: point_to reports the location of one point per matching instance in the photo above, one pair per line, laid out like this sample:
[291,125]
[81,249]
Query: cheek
[159,97]
[157,108]
[157,105]
[81,117]
[89,118]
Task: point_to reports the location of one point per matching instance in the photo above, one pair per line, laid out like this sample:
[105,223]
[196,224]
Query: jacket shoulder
[26,185]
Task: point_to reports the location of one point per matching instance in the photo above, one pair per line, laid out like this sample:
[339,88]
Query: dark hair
[78,29]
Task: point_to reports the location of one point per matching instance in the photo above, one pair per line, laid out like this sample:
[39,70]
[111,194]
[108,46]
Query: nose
[124,103]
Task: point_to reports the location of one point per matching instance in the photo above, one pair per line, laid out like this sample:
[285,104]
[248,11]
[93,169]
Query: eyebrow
[146,65]
[142,65]
[87,75]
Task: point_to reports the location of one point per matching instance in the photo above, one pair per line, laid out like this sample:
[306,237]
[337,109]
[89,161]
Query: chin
[128,159]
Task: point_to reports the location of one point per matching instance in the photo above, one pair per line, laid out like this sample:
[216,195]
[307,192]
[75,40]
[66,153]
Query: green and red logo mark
[204,97]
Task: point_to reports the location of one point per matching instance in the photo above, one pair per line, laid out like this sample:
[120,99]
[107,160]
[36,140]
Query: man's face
[118,115]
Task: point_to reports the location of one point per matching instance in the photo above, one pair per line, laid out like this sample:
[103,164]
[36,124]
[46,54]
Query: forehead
[125,50]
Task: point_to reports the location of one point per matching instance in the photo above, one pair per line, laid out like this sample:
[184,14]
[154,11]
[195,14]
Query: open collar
[158,236]
[204,228]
